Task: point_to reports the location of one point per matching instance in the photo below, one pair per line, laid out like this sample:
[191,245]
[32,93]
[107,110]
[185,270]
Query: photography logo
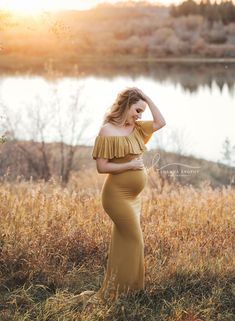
[173,169]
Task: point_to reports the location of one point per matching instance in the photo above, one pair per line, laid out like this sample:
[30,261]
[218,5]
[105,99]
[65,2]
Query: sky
[34,6]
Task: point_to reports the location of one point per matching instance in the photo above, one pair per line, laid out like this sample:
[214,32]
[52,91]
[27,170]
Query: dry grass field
[54,241]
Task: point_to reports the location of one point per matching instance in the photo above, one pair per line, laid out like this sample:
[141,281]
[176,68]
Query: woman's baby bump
[131,181]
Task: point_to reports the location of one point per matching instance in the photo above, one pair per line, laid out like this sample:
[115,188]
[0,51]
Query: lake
[197,100]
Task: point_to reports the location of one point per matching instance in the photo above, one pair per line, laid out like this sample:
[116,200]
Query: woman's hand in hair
[141,93]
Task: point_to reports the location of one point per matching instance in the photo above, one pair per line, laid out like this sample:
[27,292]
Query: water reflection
[197,102]
[190,75]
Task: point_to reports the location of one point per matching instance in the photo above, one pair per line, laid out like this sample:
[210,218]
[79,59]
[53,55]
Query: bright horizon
[30,7]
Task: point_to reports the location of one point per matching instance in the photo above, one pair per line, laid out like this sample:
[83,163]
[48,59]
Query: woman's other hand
[137,163]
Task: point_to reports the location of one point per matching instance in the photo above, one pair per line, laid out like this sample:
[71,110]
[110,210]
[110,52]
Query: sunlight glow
[32,7]
[35,7]
[23,6]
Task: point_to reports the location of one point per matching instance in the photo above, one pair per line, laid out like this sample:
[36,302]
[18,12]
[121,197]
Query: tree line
[223,11]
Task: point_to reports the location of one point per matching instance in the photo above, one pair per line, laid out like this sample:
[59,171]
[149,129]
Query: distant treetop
[223,11]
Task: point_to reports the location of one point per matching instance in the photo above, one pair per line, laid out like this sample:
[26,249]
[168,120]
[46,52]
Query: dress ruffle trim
[119,146]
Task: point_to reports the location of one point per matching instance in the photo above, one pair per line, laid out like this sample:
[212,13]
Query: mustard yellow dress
[121,200]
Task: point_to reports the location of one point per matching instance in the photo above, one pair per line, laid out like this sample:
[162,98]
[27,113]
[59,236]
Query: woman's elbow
[162,123]
[101,168]
[101,165]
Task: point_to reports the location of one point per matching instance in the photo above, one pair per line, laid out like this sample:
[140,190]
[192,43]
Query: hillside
[148,32]
[31,160]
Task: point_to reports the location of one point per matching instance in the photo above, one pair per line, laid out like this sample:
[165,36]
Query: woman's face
[135,111]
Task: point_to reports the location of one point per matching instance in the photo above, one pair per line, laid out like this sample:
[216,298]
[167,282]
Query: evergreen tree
[224,11]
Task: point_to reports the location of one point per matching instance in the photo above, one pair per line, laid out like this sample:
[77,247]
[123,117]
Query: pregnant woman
[118,151]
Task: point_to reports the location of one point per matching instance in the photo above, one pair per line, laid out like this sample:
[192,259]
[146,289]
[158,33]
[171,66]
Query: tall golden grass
[54,241]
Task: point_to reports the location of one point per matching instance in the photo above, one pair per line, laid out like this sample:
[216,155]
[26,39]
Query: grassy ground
[53,245]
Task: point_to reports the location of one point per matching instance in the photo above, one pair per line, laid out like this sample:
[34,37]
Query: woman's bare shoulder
[107,130]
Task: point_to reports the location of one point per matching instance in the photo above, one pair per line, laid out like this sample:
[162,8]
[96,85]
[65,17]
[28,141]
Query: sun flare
[27,7]
[34,7]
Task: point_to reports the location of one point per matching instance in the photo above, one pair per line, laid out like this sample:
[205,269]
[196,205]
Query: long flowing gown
[121,200]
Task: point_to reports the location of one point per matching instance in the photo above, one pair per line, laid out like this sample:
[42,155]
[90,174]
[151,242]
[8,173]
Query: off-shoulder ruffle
[119,146]
[145,128]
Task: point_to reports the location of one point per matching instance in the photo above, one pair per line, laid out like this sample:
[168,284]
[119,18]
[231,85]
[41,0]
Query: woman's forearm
[157,116]
[115,168]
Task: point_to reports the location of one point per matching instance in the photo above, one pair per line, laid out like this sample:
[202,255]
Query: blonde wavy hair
[117,113]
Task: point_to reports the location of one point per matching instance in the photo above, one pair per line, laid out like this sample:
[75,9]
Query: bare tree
[228,158]
[36,156]
[228,152]
[40,119]
[67,127]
